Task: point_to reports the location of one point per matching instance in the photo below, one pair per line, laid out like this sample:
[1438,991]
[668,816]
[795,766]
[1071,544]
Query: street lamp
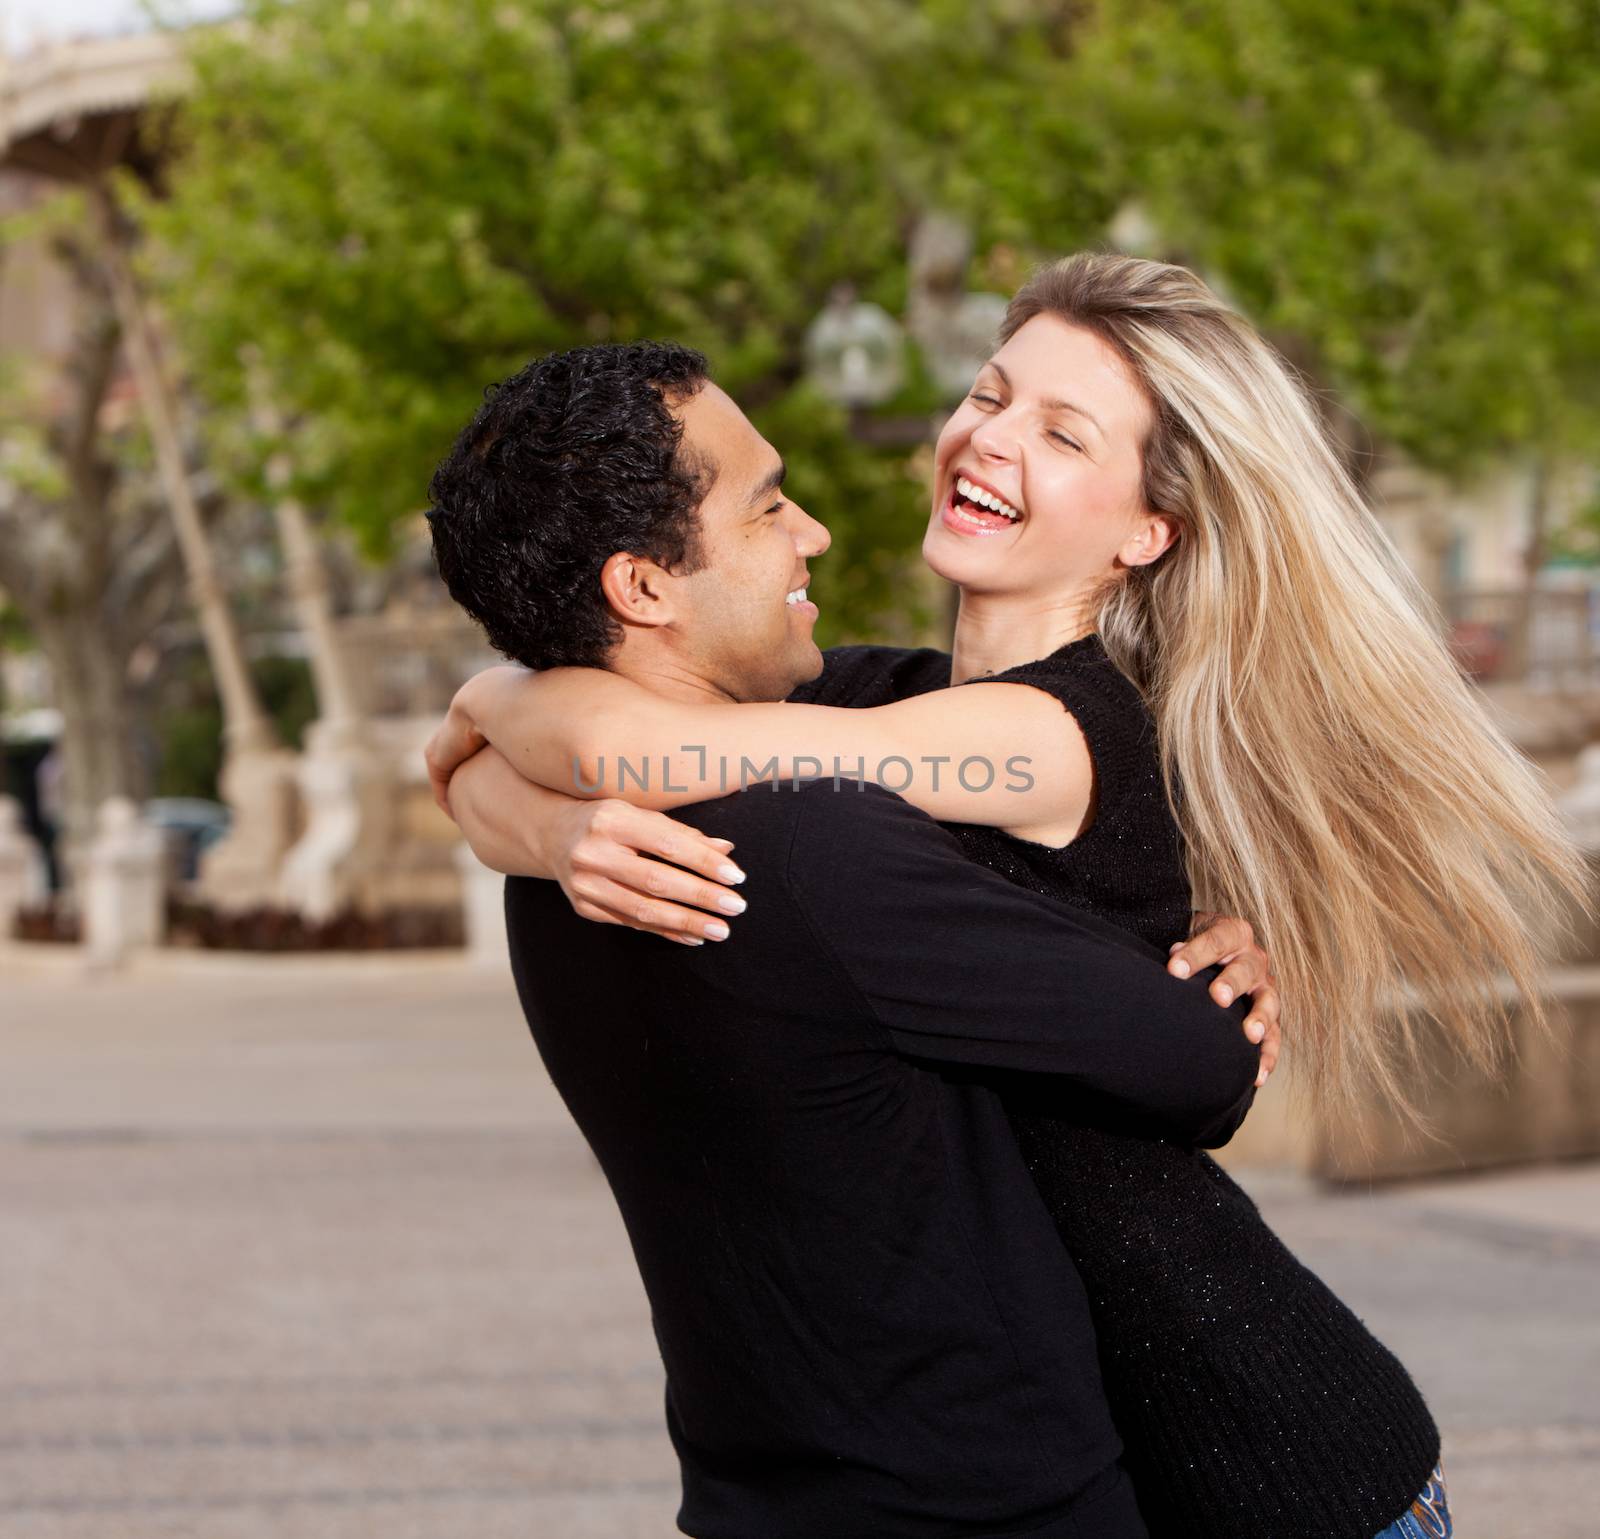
[855,351]
[855,355]
[954,329]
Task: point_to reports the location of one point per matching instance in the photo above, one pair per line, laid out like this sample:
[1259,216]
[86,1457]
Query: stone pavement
[307,1249]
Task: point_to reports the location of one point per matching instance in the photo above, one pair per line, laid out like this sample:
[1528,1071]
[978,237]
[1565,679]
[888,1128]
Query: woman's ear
[635,589]
[1156,535]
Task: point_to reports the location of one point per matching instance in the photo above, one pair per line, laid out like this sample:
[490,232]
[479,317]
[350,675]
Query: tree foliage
[1407,194]
[88,560]
[392,204]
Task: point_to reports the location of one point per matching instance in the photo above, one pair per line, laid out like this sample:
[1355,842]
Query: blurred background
[297,1239]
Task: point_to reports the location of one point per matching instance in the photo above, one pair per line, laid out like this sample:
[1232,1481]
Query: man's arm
[620,864]
[612,860]
[963,966]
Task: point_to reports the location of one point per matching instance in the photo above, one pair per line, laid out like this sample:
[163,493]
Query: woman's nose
[994,438]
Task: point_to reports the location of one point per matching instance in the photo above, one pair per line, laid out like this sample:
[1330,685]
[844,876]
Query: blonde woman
[1150,529]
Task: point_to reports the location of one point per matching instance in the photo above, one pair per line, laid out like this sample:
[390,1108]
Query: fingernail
[1175,946]
[732,903]
[689,940]
[1261,1079]
[717,930]
[1181,968]
[1224,995]
[1255,1030]
[729,874]
[727,844]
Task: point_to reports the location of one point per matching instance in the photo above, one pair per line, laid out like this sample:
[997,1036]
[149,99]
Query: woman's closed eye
[995,402]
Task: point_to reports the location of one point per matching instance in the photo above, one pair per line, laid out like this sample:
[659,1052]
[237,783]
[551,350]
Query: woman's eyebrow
[1054,404]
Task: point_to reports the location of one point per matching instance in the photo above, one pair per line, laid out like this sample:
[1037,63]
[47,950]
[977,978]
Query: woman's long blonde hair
[1337,781]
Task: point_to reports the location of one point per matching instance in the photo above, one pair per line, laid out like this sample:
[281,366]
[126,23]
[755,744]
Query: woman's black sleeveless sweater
[1252,1403]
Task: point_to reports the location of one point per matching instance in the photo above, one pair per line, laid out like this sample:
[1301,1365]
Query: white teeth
[797,597]
[986,499]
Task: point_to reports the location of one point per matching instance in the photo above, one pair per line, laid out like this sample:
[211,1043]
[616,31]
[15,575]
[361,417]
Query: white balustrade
[124,877]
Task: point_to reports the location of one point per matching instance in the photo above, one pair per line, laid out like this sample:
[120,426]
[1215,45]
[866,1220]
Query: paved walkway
[308,1250]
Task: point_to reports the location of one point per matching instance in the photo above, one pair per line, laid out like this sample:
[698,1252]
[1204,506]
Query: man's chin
[776,676]
[787,668]
[801,663]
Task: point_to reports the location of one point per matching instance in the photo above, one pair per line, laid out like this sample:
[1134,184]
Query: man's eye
[988,400]
[777,506]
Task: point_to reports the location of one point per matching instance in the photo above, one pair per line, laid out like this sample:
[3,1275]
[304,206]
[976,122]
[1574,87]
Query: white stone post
[124,886]
[350,796]
[1580,806]
[483,902]
[22,874]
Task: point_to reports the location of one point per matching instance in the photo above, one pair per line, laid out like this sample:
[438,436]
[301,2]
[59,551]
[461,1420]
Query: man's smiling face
[737,624]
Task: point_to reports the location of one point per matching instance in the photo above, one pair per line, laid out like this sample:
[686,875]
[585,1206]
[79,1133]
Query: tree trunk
[307,573]
[246,725]
[99,735]
[87,557]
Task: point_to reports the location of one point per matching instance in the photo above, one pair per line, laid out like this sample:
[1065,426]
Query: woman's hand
[598,851]
[454,741]
[1246,972]
[458,736]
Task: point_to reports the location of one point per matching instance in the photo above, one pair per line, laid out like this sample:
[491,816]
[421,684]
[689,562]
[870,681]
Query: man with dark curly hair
[869,1326]
[578,513]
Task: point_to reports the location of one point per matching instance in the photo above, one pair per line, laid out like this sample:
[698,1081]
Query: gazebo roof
[69,109]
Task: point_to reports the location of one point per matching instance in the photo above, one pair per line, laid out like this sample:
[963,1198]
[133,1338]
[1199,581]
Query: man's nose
[811,538]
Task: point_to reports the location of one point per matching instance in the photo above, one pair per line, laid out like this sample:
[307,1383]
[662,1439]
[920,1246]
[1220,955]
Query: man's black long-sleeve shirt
[869,1325]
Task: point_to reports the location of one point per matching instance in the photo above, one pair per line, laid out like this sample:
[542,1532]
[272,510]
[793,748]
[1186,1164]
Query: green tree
[88,561]
[393,205]
[1405,195]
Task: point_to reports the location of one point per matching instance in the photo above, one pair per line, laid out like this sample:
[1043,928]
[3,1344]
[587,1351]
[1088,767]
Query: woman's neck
[996,632]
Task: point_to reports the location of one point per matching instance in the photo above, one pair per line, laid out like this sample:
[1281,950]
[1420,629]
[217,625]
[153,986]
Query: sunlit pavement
[308,1249]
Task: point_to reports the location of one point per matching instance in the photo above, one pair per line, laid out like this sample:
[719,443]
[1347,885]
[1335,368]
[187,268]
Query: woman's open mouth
[973,509]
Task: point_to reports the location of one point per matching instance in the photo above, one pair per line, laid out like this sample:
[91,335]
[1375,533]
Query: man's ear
[1156,535]
[638,591]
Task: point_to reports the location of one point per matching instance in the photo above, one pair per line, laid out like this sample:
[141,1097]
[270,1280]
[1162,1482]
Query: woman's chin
[948,556]
[936,551]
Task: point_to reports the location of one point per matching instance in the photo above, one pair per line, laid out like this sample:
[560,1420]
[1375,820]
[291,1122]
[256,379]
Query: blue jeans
[1429,1517]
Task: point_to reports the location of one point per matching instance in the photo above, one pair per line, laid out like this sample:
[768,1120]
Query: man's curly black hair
[572,459]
